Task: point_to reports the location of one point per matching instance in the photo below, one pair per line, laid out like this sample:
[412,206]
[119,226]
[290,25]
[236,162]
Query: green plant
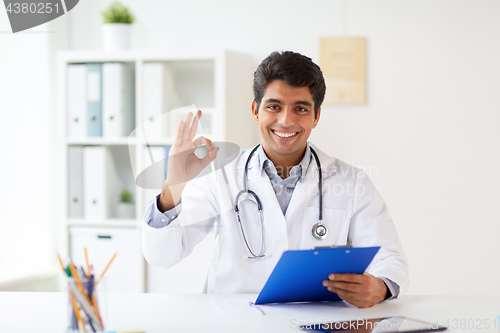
[117,13]
[126,196]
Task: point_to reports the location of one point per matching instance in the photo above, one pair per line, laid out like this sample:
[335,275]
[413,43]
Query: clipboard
[299,274]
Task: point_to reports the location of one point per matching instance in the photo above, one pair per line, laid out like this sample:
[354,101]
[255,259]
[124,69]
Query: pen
[76,312]
[82,296]
[256,308]
[86,306]
[76,318]
[90,286]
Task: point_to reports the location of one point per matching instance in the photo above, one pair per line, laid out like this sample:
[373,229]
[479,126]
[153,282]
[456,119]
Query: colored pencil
[76,310]
[80,287]
[60,263]
[105,269]
[72,297]
[87,261]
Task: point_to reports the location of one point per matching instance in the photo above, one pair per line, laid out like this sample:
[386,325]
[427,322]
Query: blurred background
[428,132]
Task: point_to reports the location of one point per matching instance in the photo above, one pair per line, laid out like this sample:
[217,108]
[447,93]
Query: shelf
[100,141]
[114,223]
[118,142]
[165,81]
[158,142]
[86,56]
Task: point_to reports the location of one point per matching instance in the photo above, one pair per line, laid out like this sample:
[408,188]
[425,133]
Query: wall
[24,103]
[429,129]
[27,83]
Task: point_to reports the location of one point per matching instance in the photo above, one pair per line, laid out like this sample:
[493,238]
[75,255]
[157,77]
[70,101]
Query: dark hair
[295,69]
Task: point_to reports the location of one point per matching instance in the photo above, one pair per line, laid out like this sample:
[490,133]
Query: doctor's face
[286,119]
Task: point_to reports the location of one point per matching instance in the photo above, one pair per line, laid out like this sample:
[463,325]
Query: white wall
[24,128]
[26,145]
[429,128]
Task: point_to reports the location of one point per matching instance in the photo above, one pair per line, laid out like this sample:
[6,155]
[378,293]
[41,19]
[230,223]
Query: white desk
[45,312]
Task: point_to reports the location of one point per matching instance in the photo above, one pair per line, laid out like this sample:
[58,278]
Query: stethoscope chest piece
[319,231]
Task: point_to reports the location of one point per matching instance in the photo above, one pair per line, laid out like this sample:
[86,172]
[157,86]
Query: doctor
[283,175]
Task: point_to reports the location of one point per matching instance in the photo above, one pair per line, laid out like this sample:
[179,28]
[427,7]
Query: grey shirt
[284,187]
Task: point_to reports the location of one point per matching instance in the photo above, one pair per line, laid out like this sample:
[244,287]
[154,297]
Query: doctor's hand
[361,290]
[183,164]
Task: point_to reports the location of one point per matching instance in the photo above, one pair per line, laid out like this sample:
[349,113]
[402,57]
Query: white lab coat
[353,211]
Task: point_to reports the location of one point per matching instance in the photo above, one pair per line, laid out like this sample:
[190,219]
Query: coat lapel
[259,183]
[305,189]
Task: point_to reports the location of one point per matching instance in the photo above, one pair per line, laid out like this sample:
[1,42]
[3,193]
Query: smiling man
[266,199]
[286,116]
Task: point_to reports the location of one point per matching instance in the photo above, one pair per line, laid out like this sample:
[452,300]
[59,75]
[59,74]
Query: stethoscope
[318,231]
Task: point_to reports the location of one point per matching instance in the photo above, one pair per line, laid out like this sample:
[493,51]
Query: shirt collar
[304,164]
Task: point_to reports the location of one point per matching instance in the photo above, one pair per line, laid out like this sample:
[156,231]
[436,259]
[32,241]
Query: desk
[160,313]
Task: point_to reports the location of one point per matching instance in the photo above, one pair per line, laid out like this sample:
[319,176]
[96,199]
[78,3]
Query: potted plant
[126,207]
[116,28]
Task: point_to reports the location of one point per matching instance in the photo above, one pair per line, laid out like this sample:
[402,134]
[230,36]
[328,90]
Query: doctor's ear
[255,112]
[316,120]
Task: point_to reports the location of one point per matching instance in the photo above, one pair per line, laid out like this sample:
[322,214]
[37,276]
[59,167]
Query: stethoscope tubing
[320,185]
[316,227]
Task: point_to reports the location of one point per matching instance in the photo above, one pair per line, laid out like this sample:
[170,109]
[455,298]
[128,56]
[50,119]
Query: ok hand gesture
[183,164]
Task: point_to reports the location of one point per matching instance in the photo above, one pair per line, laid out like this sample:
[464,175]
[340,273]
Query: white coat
[353,212]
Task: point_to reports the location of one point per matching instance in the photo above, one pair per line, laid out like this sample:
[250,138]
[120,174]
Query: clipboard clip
[331,247]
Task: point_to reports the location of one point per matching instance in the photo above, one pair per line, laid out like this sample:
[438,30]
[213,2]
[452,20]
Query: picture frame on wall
[343,62]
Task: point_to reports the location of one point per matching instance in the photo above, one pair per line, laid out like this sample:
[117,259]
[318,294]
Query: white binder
[117,99]
[77,101]
[101,243]
[75,181]
[154,118]
[100,191]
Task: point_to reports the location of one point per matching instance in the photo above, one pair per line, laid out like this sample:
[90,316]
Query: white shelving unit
[220,84]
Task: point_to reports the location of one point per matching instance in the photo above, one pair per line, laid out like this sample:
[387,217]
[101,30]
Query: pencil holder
[86,305]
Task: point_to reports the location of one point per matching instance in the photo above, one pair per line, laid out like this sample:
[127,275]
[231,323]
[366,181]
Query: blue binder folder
[299,274]
[94,98]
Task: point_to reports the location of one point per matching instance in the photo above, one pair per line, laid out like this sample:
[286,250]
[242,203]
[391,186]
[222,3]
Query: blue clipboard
[299,274]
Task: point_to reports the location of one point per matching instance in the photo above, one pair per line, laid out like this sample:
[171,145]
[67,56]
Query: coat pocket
[333,219]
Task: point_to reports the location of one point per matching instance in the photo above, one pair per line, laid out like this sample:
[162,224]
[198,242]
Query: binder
[165,163]
[94,94]
[117,100]
[100,189]
[299,274]
[155,172]
[206,120]
[154,108]
[75,181]
[77,101]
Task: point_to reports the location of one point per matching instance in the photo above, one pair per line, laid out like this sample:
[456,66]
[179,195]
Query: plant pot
[125,210]
[116,36]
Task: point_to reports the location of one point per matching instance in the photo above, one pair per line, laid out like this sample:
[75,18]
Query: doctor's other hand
[361,290]
[183,164]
